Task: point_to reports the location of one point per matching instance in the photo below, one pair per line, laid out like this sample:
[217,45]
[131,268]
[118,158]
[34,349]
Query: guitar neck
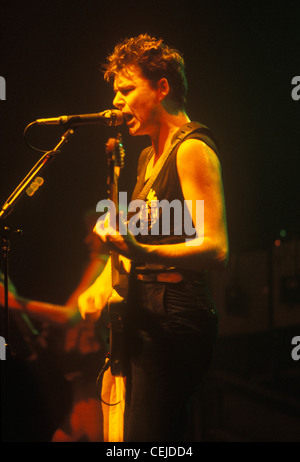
[115,152]
[115,261]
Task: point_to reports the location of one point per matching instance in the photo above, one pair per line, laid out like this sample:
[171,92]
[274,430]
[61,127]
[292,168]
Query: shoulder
[196,157]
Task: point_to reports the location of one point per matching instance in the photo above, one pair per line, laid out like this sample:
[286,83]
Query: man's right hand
[93,300]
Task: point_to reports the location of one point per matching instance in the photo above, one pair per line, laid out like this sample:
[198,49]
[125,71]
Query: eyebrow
[123,86]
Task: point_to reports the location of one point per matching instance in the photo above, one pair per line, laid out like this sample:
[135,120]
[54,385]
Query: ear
[163,88]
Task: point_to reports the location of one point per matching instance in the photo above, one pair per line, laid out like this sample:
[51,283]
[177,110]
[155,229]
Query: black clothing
[170,332]
[167,190]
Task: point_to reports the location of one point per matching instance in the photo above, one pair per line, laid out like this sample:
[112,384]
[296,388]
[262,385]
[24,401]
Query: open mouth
[128,118]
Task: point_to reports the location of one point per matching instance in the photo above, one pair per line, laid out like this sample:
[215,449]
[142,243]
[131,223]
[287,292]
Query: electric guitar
[117,302]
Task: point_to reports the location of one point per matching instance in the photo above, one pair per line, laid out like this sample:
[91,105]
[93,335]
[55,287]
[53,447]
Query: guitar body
[117,355]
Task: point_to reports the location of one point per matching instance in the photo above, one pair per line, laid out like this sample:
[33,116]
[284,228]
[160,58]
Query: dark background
[240,59]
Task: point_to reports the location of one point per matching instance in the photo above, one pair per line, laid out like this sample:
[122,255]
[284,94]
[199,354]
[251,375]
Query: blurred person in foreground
[61,353]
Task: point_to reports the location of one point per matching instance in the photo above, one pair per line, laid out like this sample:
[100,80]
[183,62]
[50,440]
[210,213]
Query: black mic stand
[6,231]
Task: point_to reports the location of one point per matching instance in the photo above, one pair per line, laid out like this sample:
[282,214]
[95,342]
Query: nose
[118,101]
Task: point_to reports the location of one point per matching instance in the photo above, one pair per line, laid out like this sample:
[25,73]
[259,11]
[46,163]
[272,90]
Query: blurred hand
[94,299]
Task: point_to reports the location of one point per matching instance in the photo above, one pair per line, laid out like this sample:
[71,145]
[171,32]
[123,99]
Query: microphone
[110,117]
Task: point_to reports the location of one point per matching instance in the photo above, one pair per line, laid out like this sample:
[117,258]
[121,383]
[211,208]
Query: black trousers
[171,331]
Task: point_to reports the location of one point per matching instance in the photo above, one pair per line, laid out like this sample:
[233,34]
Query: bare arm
[53,313]
[94,299]
[43,311]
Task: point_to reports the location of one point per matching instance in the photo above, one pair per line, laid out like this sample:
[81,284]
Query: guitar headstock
[115,151]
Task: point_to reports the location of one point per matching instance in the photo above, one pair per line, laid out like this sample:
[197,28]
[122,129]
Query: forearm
[197,255]
[46,312]
[94,299]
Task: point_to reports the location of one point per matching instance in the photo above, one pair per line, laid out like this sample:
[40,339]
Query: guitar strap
[179,136]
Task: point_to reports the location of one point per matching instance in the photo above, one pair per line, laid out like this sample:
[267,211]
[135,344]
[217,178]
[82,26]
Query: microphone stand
[6,231]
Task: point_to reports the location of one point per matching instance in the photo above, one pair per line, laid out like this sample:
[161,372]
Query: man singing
[171,321]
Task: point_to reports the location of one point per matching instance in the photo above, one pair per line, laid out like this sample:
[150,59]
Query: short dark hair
[155,59]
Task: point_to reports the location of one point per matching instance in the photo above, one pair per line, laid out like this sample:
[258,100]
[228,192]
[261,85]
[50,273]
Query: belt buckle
[169,277]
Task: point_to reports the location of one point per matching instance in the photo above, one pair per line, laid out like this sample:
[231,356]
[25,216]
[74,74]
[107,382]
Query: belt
[173,277]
